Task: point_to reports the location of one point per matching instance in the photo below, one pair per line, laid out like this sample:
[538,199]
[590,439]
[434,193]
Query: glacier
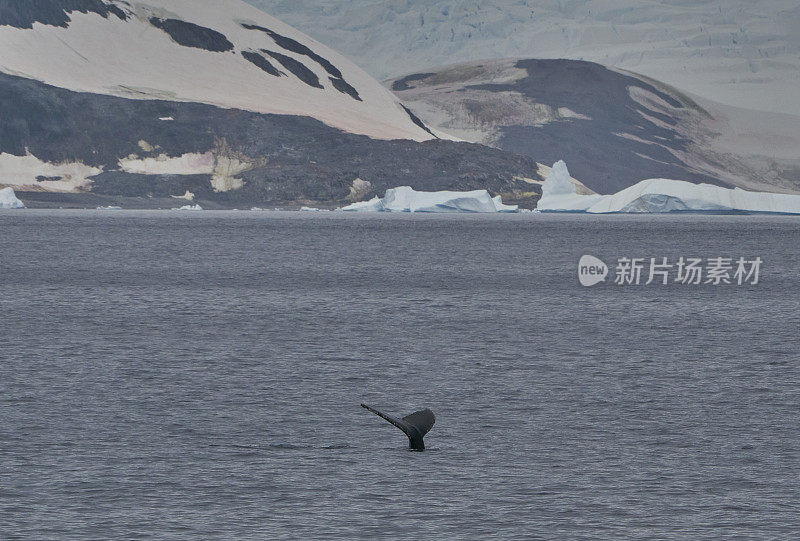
[406,199]
[660,195]
[8,199]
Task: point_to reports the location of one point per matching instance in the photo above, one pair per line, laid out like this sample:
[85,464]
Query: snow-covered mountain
[614,128]
[223,53]
[209,100]
[741,53]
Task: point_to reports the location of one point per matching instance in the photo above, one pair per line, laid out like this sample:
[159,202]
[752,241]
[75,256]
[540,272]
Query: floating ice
[190,207]
[406,199]
[8,200]
[660,196]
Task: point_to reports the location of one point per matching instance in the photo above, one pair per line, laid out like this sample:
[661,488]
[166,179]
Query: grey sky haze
[744,53]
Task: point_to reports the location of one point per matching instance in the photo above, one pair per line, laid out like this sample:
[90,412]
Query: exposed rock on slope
[214,102]
[109,147]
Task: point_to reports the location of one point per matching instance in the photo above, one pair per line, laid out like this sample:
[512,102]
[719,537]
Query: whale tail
[415,426]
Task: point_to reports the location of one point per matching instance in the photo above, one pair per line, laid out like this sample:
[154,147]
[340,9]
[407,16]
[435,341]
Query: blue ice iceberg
[406,199]
[660,196]
[8,200]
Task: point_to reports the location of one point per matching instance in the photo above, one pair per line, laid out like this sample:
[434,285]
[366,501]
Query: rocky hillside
[134,103]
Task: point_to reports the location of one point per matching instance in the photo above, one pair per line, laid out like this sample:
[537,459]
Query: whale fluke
[415,425]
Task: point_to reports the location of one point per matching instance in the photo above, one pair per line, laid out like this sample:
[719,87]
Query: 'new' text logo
[591,271]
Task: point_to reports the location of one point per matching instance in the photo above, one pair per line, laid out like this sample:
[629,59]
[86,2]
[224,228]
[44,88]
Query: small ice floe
[109,208]
[190,207]
[312,209]
[166,118]
[406,199]
[8,200]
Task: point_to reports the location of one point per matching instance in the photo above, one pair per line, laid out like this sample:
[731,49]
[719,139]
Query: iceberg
[190,207]
[8,200]
[660,195]
[406,199]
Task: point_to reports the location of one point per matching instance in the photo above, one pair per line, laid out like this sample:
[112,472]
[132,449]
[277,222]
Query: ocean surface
[170,375]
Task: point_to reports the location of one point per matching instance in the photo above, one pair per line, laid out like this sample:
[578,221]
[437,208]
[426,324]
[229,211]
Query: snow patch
[189,196]
[359,189]
[227,165]
[566,112]
[187,164]
[660,196]
[29,173]
[8,200]
[222,163]
[406,199]
[145,146]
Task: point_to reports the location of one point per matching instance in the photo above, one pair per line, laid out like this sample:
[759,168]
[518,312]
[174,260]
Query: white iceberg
[8,200]
[406,199]
[190,207]
[660,196]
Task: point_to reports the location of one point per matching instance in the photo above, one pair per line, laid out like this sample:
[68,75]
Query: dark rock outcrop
[294,159]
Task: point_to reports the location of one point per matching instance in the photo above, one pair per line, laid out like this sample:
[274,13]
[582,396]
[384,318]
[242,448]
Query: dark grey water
[199,376]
